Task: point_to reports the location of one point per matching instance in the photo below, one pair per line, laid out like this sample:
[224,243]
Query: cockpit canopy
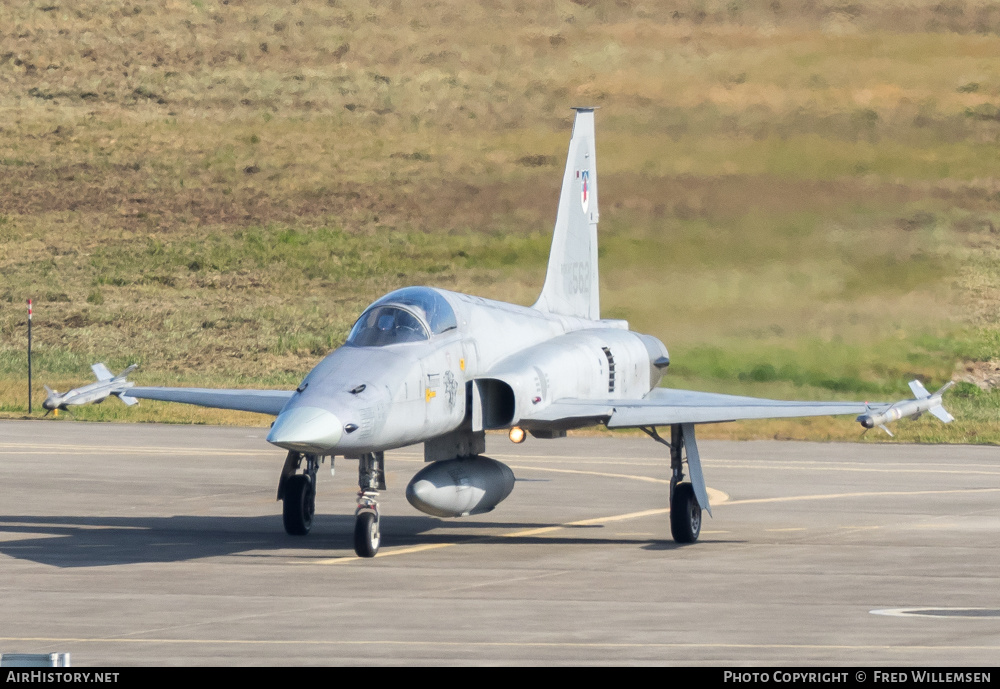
[406,315]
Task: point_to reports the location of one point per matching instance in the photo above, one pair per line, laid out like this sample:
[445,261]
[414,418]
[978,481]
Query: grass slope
[800,198]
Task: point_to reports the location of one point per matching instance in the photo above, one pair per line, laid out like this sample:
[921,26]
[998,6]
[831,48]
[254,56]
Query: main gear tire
[685,514]
[299,505]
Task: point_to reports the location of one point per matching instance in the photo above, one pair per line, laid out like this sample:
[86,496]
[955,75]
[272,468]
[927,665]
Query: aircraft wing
[260,401]
[666,406]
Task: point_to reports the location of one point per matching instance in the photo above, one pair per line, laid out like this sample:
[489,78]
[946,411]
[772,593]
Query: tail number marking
[576,277]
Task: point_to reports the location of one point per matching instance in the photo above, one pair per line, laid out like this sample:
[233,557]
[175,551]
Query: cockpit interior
[411,314]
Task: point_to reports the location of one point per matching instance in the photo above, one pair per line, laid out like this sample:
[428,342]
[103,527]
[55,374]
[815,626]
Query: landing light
[516,434]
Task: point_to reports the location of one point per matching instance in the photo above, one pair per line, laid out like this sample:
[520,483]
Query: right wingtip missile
[107,384]
[53,400]
[910,408]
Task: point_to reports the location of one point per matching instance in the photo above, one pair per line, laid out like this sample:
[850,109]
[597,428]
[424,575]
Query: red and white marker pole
[29,355]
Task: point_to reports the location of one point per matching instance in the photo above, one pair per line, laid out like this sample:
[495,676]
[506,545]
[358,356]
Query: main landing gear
[297,491]
[685,512]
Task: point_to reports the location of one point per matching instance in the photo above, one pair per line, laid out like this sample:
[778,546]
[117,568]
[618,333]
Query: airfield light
[517,434]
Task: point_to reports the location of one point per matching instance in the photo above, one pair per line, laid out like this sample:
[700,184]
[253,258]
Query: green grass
[800,199]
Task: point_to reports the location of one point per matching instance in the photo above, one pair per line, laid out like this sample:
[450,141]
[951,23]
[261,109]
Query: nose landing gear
[367,529]
[298,495]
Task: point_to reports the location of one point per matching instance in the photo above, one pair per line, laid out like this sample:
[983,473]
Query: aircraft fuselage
[495,363]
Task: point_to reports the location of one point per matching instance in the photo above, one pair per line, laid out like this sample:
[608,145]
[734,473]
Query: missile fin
[919,391]
[944,388]
[124,374]
[884,428]
[101,372]
[941,413]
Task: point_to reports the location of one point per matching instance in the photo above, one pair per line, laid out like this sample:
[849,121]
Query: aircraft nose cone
[306,429]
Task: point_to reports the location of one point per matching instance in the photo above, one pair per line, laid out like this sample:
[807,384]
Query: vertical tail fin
[571,282]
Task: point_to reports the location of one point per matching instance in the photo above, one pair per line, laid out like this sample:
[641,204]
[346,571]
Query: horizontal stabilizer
[129,401]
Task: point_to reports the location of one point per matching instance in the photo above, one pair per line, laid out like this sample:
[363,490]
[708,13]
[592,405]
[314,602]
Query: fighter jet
[107,384]
[426,365]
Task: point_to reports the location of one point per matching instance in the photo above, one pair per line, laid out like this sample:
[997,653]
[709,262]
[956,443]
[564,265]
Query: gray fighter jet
[425,365]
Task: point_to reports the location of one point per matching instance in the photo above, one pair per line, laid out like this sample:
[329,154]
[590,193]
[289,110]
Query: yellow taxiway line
[524,533]
[723,500]
[717,498]
[861,494]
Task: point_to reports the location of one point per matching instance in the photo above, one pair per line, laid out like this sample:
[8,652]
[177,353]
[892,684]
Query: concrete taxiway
[148,544]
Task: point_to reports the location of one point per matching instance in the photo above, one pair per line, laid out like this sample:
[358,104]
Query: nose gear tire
[367,534]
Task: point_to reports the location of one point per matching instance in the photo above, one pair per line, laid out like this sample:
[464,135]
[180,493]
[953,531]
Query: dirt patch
[983,374]
[77,320]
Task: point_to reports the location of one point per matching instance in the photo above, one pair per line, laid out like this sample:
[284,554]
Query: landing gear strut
[367,529]
[298,493]
[685,512]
